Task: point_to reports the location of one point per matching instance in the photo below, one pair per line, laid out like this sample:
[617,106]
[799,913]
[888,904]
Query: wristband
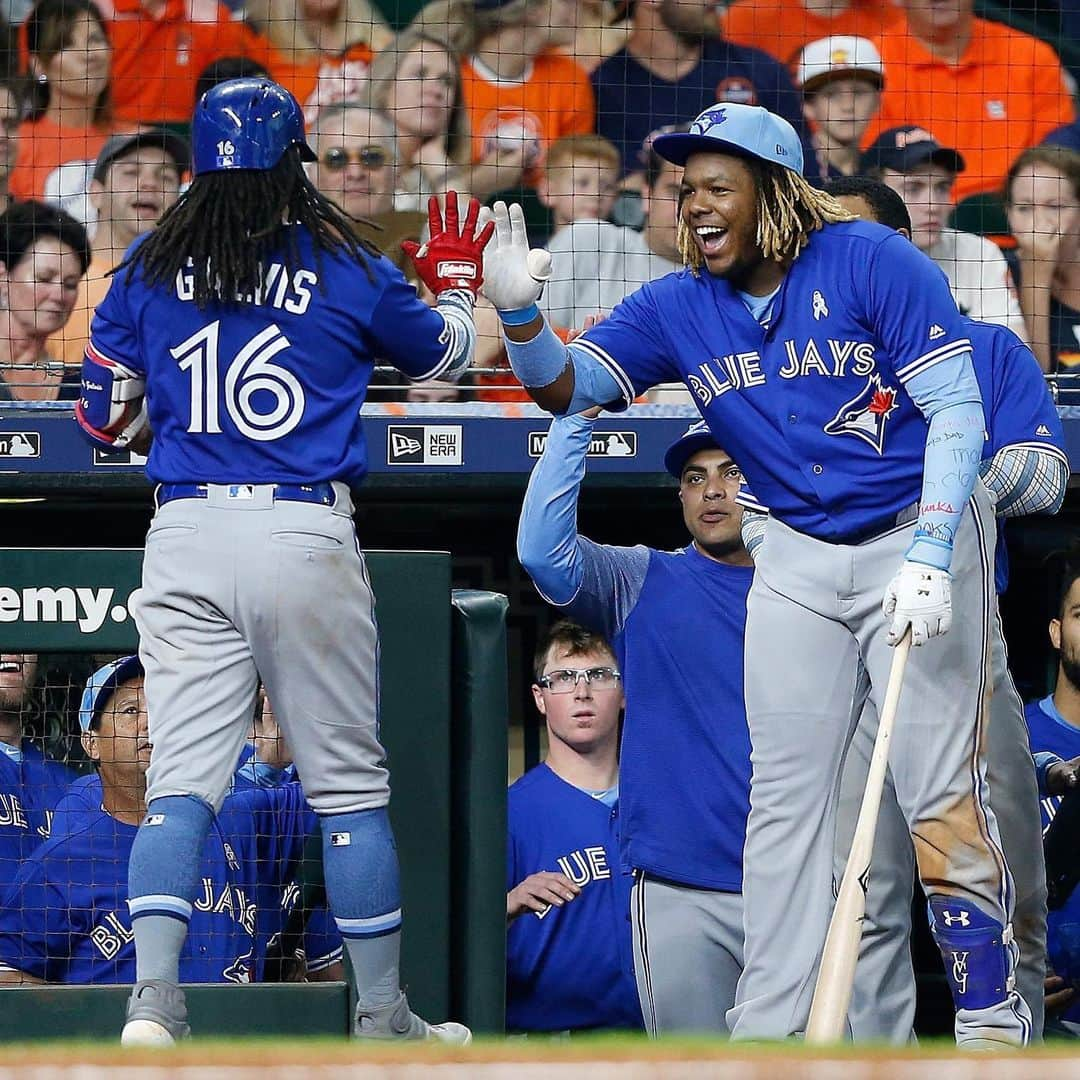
[519,316]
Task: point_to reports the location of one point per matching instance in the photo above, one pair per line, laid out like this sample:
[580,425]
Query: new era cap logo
[402,445]
[936,332]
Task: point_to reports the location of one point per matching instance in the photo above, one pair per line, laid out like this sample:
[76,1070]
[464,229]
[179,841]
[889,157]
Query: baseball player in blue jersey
[684,789]
[1025,467]
[65,918]
[31,784]
[828,357]
[244,329]
[568,959]
[1054,728]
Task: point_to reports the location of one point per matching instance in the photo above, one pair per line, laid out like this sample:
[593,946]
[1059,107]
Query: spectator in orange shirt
[783,27]
[43,255]
[70,115]
[136,179]
[520,93]
[12,108]
[330,44]
[979,86]
[161,46]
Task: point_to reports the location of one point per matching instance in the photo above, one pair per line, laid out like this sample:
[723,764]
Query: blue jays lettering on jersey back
[29,792]
[65,919]
[814,407]
[1018,407]
[272,393]
[684,763]
[572,968]
[1049,731]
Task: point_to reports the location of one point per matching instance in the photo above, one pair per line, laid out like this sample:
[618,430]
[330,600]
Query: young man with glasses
[568,959]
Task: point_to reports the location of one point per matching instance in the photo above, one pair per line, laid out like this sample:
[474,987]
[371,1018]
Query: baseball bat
[836,975]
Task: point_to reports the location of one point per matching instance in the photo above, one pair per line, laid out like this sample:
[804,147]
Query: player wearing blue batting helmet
[246,124]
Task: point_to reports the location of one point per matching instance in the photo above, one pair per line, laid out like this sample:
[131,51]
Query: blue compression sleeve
[539,361]
[547,532]
[1043,760]
[948,395]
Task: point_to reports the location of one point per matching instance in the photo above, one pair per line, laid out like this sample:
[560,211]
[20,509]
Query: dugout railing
[444,707]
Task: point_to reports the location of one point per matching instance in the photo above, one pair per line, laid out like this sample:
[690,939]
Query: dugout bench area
[457,639]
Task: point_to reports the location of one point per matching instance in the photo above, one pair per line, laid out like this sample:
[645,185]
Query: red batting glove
[451,259]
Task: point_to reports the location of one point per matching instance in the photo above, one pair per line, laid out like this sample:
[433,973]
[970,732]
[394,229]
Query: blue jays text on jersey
[272,392]
[65,920]
[573,967]
[815,407]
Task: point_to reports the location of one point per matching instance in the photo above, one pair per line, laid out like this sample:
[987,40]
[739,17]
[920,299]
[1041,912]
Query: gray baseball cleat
[398,1021]
[156,1015]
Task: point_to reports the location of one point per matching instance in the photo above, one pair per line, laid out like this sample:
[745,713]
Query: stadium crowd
[555,104]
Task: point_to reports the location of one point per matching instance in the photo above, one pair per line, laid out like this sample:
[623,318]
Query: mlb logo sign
[436,444]
[603,444]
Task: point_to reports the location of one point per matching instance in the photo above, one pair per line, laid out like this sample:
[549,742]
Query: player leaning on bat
[250,317]
[830,361]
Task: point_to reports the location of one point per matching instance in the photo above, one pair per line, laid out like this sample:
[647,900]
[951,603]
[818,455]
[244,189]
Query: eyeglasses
[339,157]
[566,680]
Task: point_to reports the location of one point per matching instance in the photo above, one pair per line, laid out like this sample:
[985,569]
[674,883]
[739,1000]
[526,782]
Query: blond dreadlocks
[789,210]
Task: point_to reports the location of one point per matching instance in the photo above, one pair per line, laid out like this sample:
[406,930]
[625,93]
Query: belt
[883,525]
[323,494]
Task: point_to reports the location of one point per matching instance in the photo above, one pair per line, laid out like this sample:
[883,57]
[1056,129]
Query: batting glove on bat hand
[452,258]
[514,275]
[918,596]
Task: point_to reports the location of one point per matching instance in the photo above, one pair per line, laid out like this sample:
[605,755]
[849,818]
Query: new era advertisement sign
[428,444]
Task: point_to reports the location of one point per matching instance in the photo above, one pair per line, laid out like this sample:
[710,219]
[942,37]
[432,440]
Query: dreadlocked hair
[227,225]
[788,211]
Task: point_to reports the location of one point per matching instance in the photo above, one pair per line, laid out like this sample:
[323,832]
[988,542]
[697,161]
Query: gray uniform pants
[237,586]
[687,955]
[883,998]
[815,646]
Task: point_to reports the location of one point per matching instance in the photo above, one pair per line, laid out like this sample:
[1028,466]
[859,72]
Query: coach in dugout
[65,917]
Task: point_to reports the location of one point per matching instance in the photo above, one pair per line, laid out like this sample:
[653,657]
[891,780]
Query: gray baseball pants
[883,997]
[816,645]
[240,586]
[688,946]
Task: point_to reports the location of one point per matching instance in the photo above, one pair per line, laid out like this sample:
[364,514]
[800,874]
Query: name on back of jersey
[278,289]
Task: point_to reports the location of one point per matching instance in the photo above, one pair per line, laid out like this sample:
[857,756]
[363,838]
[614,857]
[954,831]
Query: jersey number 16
[252,370]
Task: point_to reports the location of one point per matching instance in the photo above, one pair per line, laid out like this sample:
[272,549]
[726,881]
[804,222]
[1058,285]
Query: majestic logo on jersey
[708,120]
[866,414]
[821,309]
[936,332]
[1043,430]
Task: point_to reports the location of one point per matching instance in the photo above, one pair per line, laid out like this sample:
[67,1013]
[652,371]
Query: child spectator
[43,256]
[580,180]
[520,94]
[923,173]
[70,113]
[980,86]
[136,180]
[841,80]
[1042,200]
[783,27]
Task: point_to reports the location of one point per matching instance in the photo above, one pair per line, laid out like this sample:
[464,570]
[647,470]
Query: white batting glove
[918,596]
[514,275]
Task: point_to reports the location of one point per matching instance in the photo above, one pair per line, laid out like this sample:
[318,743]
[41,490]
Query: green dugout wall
[444,702]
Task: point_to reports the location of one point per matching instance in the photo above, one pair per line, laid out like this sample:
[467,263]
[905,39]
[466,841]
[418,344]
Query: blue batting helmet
[246,124]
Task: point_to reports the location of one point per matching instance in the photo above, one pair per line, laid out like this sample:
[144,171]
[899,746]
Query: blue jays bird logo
[708,120]
[866,414]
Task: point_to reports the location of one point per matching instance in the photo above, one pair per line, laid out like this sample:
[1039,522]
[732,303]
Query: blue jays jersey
[1049,731]
[571,967]
[65,919]
[29,792]
[1016,400]
[684,765]
[816,408]
[268,391]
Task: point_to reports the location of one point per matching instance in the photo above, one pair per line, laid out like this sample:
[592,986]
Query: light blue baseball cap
[744,130]
[100,687]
